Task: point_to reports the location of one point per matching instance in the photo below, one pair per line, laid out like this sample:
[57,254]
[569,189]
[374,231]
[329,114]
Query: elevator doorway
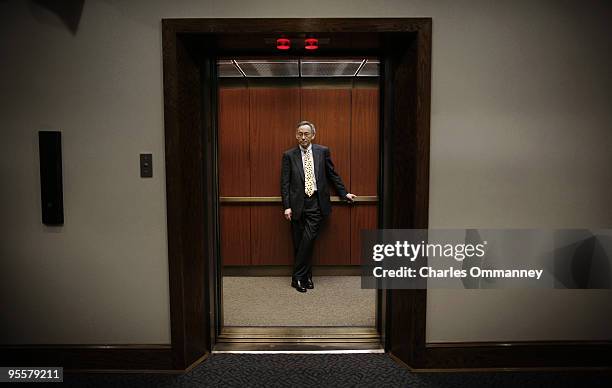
[191,48]
[260,100]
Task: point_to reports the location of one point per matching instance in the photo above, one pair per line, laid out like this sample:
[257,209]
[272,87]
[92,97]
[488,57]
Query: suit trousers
[304,232]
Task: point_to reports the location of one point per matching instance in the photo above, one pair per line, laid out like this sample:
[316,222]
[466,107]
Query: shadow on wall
[68,11]
[584,264]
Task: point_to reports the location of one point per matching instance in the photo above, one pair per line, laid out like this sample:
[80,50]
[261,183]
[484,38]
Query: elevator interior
[260,100]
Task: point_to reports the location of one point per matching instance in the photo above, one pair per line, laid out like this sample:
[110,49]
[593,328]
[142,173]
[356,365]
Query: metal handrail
[359,199]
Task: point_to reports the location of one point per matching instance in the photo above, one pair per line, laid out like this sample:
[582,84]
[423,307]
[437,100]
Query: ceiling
[302,67]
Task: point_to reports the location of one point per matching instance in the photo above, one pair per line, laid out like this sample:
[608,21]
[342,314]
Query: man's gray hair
[311,125]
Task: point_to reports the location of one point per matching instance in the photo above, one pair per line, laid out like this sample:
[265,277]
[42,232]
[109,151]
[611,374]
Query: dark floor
[331,370]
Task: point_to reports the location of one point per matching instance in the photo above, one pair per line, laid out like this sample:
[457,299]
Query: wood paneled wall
[256,125]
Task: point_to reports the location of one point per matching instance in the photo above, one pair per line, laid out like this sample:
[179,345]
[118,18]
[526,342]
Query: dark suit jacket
[292,179]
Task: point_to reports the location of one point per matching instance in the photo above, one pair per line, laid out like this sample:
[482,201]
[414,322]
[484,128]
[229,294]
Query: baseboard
[92,358]
[509,356]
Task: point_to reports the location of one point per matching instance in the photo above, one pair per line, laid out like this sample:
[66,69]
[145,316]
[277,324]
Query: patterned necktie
[309,173]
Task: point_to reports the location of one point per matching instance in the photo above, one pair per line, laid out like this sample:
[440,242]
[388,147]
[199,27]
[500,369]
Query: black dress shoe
[298,285]
[309,284]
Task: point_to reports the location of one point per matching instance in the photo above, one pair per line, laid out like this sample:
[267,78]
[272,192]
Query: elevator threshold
[242,339]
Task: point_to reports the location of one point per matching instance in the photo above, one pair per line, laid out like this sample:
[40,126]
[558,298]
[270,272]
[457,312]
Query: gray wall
[521,137]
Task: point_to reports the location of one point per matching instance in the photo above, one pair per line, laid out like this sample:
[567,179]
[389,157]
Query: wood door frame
[189,45]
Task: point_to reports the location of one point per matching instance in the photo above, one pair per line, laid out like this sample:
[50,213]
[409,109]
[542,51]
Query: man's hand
[288,214]
[351,197]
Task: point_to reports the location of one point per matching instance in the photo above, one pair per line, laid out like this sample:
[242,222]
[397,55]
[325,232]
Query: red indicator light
[311,44]
[283,44]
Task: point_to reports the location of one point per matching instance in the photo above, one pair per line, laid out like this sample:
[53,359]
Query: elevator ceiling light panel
[228,69]
[311,67]
[370,69]
[330,68]
[268,68]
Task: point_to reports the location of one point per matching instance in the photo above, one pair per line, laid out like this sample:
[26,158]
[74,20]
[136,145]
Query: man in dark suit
[305,194]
